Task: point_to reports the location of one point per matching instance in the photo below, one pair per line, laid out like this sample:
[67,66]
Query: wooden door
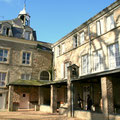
[24,101]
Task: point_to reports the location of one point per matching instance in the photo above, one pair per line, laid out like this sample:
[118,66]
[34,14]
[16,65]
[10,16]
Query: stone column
[10,98]
[40,96]
[53,98]
[107,96]
[69,91]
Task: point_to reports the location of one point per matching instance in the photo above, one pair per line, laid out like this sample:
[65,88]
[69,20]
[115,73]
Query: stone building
[88,61]
[25,63]
[85,62]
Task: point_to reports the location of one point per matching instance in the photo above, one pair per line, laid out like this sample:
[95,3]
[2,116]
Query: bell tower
[24,16]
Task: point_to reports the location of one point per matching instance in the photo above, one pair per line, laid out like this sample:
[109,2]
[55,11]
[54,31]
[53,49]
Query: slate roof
[17,32]
[18,22]
[18,28]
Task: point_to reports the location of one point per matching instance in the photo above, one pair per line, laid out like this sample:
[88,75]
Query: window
[75,41]
[62,70]
[63,48]
[25,76]
[27,20]
[27,35]
[3,55]
[100,27]
[26,58]
[98,60]
[110,22]
[2,78]
[6,31]
[113,55]
[82,38]
[65,69]
[85,64]
[24,95]
[44,75]
[58,50]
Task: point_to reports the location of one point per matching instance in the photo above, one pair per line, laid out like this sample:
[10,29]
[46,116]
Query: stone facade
[94,48]
[22,58]
[84,64]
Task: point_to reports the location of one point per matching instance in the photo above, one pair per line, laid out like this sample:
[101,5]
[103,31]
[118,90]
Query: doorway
[24,101]
[86,92]
[2,100]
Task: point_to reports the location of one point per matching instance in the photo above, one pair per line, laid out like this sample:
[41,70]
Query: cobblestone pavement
[32,115]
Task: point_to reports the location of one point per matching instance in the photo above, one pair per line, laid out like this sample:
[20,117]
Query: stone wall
[40,60]
[74,55]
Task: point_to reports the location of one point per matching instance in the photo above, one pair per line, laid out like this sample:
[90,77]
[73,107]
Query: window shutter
[88,66]
[78,39]
[74,42]
[110,22]
[102,26]
[58,50]
[63,48]
[98,27]
[62,70]
[82,38]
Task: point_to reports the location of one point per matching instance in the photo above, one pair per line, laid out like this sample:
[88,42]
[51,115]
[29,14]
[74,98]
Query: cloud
[7,1]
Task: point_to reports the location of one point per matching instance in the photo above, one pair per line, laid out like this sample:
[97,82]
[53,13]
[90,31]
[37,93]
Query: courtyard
[32,115]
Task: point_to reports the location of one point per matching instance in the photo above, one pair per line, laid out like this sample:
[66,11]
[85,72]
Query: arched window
[44,75]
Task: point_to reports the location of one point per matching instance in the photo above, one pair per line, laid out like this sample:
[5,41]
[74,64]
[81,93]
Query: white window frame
[58,50]
[114,56]
[98,60]
[63,48]
[100,26]
[30,59]
[110,22]
[66,65]
[3,57]
[6,31]
[24,76]
[5,81]
[75,41]
[62,70]
[82,37]
[27,35]
[85,64]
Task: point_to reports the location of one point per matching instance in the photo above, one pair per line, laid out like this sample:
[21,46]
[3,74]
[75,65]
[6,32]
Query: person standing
[89,102]
[80,101]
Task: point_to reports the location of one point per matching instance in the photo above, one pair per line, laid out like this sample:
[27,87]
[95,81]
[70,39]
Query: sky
[53,19]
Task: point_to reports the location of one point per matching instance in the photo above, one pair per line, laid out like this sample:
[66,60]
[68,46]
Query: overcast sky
[53,19]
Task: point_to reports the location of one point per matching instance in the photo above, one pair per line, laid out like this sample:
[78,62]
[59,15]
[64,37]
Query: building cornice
[103,12]
[23,41]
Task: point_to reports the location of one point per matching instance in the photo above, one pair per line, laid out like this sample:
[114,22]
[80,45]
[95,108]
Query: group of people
[89,102]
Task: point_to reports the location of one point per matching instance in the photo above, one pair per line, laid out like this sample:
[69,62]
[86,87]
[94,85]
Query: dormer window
[27,35]
[6,31]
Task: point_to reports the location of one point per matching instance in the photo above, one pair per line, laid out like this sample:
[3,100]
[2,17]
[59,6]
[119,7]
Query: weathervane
[25,3]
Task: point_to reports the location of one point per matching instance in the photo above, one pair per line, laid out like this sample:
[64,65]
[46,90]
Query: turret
[25,17]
